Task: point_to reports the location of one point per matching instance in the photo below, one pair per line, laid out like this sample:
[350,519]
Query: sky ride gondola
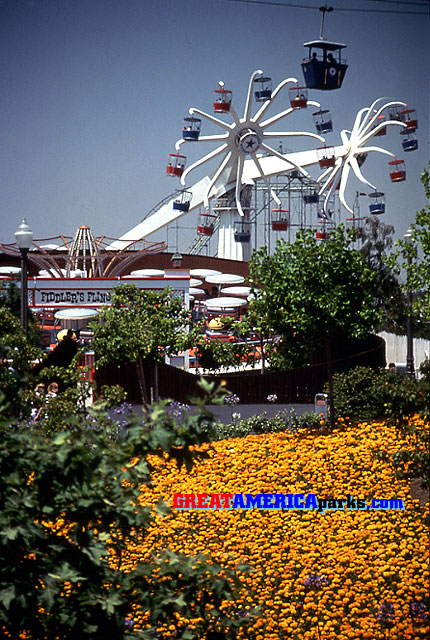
[242,231]
[409,142]
[323,121]
[280,219]
[397,170]
[263,88]
[298,97]
[321,69]
[191,129]
[176,165]
[383,131]
[326,157]
[311,198]
[205,225]
[407,116]
[323,233]
[222,99]
[377,203]
[183,201]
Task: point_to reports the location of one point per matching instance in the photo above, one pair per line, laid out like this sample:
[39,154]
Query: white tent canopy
[224,303]
[225,278]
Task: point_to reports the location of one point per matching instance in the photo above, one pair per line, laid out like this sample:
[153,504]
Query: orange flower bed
[365,559]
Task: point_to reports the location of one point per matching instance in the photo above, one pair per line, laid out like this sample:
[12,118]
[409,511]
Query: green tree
[69,507]
[141,325]
[312,292]
[413,259]
[17,356]
[376,243]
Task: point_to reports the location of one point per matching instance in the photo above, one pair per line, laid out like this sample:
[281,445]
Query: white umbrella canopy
[147,273]
[224,302]
[225,278]
[197,292]
[10,271]
[236,291]
[77,318]
[203,273]
[194,282]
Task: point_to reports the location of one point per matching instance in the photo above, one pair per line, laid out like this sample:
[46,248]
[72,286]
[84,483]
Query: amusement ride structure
[246,159]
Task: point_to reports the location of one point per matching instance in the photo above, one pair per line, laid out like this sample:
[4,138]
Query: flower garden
[337,574]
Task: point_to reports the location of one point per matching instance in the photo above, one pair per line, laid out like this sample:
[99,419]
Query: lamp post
[176,260]
[410,369]
[23,238]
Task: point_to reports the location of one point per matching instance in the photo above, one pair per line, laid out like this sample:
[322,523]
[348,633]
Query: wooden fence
[291,386]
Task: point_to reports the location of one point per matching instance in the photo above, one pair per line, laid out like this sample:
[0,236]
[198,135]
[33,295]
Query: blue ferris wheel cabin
[324,68]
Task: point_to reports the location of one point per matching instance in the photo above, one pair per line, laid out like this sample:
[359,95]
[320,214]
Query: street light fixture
[410,368]
[176,260]
[23,238]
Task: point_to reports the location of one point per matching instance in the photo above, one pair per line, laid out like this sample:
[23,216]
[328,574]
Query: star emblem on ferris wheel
[243,138]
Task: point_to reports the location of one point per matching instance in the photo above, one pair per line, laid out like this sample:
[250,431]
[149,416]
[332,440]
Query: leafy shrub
[359,393]
[363,394]
[67,513]
[262,423]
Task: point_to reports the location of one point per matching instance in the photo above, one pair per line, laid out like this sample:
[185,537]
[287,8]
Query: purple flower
[419,613]
[231,399]
[314,581]
[386,613]
[129,622]
[175,408]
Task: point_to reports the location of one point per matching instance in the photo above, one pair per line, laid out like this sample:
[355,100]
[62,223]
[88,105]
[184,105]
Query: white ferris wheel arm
[248,104]
[380,126]
[208,156]
[240,163]
[216,138]
[215,178]
[287,134]
[208,116]
[287,112]
[275,92]
[356,169]
[265,180]
[275,153]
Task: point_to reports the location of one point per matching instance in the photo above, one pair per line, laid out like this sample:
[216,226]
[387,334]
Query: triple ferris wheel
[244,155]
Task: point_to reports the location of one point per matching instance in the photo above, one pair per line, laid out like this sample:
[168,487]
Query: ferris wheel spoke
[331,180]
[248,103]
[198,163]
[275,92]
[344,136]
[275,153]
[356,169]
[216,138]
[239,171]
[216,121]
[342,186]
[265,180]
[215,177]
[286,134]
[328,173]
[234,115]
[378,149]
[358,122]
[380,126]
[276,118]
[370,123]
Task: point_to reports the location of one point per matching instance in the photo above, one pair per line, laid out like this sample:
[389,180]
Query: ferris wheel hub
[248,141]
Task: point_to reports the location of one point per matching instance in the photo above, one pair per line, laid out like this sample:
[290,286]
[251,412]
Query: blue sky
[93,95]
